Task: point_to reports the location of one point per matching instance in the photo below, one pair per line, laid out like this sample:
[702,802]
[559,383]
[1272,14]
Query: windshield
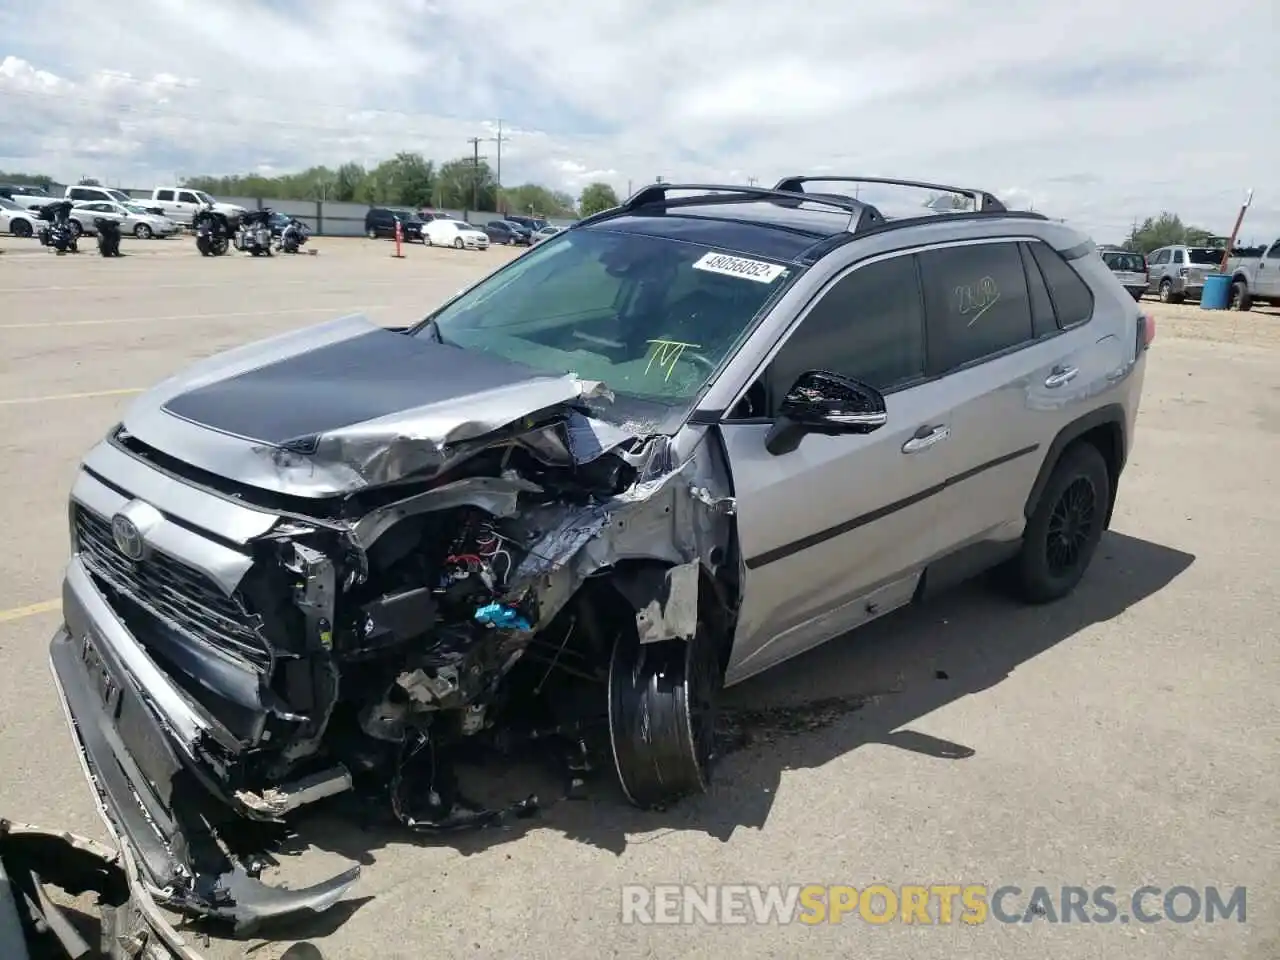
[650,317]
[135,208]
[1204,256]
[8,205]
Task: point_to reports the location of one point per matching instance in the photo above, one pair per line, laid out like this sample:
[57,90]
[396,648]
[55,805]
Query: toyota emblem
[127,537]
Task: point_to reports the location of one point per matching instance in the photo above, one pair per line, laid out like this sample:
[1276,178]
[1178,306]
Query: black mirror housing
[828,404]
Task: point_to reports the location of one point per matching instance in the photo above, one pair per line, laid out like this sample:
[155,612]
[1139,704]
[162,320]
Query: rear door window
[976,303]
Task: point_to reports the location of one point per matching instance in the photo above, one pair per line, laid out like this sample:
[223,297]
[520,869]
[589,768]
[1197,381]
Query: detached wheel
[1064,532]
[662,700]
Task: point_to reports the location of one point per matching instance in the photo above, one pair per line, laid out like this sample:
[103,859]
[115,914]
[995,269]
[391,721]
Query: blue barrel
[1216,294]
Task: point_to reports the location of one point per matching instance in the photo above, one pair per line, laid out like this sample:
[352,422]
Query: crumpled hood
[347,404]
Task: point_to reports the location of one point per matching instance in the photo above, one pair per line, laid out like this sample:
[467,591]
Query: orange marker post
[399,240]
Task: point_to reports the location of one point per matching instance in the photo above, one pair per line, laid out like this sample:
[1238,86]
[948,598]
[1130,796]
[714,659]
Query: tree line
[405,180]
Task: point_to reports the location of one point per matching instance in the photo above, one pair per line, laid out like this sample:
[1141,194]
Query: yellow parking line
[73,396]
[31,610]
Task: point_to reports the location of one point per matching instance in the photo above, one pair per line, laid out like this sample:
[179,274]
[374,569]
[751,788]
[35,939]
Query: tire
[371,233]
[662,700]
[76,229]
[1063,533]
[458,244]
[1241,299]
[20,228]
[426,241]
[1166,291]
[142,232]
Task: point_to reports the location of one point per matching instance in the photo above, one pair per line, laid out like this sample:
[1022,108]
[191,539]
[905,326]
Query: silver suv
[341,559]
[1178,271]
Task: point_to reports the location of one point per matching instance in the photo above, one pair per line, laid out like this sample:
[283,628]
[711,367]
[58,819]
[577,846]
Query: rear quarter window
[1071,296]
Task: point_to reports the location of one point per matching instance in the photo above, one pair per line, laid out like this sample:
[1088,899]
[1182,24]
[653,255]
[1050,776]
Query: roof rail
[984,201]
[862,215]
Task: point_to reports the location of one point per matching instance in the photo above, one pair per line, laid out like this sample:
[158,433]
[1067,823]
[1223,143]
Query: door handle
[1061,375]
[926,437]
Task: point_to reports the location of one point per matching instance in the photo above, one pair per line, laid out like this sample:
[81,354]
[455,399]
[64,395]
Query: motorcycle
[55,227]
[213,232]
[108,236]
[254,234]
[290,234]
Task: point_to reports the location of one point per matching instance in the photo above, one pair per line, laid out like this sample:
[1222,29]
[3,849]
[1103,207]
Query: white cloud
[1086,110]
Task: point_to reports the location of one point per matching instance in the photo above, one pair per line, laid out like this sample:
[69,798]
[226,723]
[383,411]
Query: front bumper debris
[138,738]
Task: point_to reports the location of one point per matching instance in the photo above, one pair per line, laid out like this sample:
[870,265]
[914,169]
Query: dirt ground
[1125,736]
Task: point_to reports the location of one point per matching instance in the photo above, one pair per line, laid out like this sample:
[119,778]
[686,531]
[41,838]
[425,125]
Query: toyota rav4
[670,447]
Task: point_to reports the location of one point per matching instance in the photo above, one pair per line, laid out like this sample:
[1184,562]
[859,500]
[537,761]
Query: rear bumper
[139,739]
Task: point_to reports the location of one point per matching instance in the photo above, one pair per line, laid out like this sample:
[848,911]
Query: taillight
[1146,330]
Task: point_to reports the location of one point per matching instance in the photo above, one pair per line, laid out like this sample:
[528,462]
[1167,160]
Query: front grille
[180,596]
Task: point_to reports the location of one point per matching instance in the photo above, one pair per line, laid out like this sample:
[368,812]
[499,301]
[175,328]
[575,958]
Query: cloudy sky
[1091,110]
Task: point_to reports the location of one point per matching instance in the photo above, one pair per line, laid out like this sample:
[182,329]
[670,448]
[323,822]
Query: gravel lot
[1126,736]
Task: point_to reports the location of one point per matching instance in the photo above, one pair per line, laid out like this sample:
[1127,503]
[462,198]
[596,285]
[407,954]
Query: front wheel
[20,228]
[1063,533]
[371,233]
[662,700]
[142,232]
[458,244]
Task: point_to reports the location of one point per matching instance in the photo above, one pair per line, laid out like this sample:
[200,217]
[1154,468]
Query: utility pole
[475,173]
[499,139]
[658,179]
[752,181]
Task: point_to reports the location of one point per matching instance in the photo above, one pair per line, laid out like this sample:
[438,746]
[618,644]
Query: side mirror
[828,404]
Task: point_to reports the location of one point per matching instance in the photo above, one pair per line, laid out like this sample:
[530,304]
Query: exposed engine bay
[351,595]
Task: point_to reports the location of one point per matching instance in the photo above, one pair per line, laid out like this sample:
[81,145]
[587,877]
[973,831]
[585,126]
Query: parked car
[25,195]
[132,217]
[18,220]
[532,224]
[347,558]
[1255,279]
[81,194]
[505,232]
[381,222]
[1176,272]
[544,233]
[180,204]
[455,233]
[1130,269]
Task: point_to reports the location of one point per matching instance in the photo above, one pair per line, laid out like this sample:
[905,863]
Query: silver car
[132,217]
[343,559]
[1178,271]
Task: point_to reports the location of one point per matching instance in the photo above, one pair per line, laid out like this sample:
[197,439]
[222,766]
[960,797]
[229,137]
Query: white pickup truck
[1255,279]
[180,203]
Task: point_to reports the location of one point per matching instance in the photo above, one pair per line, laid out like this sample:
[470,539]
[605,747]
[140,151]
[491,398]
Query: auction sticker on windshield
[757,270]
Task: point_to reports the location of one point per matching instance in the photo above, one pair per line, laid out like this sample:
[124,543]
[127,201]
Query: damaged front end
[233,651]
